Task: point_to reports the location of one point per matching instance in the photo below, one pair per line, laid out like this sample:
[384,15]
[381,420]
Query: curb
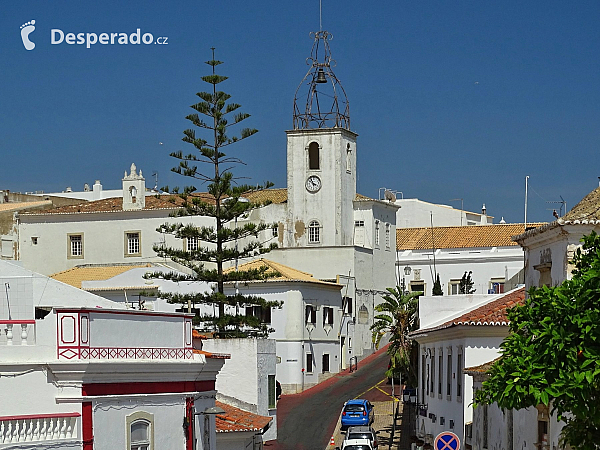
[336,430]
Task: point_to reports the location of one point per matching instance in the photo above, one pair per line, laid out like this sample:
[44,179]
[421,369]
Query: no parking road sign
[446,441]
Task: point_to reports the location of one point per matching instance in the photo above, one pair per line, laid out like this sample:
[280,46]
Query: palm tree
[398,316]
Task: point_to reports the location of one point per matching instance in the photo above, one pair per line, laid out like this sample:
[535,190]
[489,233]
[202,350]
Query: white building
[125,284]
[415,213]
[78,372]
[550,248]
[533,428]
[313,335]
[457,332]
[115,230]
[254,361]
[488,252]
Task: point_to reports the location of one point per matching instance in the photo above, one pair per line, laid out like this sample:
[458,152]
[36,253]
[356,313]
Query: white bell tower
[321,157]
[134,190]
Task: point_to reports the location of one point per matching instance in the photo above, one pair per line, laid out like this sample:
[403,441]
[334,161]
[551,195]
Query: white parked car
[357,444]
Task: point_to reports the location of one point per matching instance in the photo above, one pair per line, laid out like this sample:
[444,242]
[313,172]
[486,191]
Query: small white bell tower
[321,157]
[134,190]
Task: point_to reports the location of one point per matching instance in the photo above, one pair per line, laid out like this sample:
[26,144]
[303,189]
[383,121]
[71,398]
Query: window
[449,379]
[275,230]
[140,431]
[264,314]
[311,314]
[417,286]
[454,287]
[431,386]
[387,235]
[314,232]
[327,316]
[348,158]
[497,286]
[34,240]
[359,223]
[428,377]
[440,374]
[423,382]
[325,366]
[272,391]
[485,426]
[347,302]
[75,246]
[313,156]
[132,243]
[377,232]
[309,363]
[191,244]
[459,377]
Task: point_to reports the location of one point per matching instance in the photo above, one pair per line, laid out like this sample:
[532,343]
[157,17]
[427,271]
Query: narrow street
[306,421]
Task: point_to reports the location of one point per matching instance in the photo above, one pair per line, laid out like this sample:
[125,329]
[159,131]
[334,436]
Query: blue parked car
[357,412]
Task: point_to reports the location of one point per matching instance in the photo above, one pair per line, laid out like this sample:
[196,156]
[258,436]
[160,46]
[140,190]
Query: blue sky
[450,99]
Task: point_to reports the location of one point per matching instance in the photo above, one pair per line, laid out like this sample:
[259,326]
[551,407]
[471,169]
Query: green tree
[399,315]
[224,203]
[466,284]
[552,354]
[437,286]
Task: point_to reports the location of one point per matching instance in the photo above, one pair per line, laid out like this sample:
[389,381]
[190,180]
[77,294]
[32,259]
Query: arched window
[140,433]
[348,159]
[313,156]
[314,232]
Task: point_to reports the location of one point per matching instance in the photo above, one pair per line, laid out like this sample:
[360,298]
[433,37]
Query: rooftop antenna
[462,208]
[320,16]
[563,204]
[526,186]
[7,288]
[155,175]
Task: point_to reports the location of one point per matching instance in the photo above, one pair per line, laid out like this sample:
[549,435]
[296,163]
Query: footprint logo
[26,30]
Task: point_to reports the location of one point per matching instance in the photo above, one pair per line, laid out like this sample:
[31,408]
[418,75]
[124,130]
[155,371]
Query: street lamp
[210,411]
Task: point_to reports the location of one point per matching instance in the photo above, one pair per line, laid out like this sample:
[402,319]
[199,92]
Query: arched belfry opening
[326,104]
[313,156]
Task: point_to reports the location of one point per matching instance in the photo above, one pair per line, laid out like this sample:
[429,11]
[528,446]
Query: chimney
[483,215]
[97,190]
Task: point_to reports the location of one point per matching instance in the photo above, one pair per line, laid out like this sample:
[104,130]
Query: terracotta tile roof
[114,204]
[490,314]
[483,368]
[586,211]
[235,419]
[212,355]
[76,275]
[23,205]
[272,195]
[459,237]
[285,273]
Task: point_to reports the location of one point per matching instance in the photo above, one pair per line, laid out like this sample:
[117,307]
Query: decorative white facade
[78,372]
[464,332]
[418,213]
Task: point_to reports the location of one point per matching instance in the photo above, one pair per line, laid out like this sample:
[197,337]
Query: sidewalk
[383,423]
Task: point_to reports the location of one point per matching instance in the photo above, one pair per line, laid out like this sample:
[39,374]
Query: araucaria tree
[552,354]
[398,315]
[215,246]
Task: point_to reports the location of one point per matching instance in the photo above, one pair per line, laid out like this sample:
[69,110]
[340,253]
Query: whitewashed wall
[417,213]
[485,263]
[103,238]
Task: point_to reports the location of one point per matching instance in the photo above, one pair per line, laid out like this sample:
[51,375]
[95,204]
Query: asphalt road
[306,421]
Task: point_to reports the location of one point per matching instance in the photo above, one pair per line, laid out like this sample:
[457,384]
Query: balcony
[17,332]
[101,334]
[39,428]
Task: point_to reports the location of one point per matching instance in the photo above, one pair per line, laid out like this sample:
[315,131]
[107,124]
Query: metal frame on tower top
[322,109]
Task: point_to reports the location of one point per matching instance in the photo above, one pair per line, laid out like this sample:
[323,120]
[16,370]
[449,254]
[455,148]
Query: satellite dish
[389,196]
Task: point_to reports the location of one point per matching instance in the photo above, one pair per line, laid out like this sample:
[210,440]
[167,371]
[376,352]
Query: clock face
[313,183]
